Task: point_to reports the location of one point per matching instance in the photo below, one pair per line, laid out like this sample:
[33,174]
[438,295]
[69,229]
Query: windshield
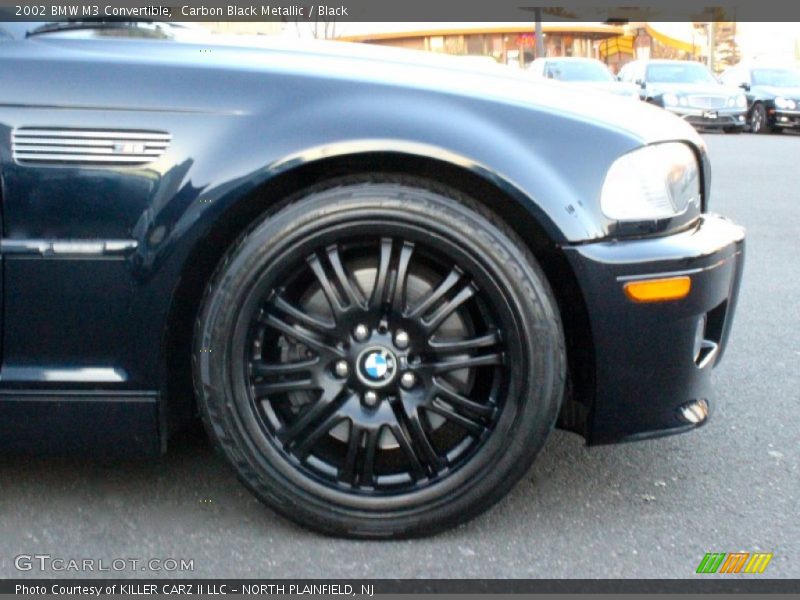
[776,77]
[687,72]
[569,70]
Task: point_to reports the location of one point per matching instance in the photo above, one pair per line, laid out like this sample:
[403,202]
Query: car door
[3,155]
[6,36]
[79,176]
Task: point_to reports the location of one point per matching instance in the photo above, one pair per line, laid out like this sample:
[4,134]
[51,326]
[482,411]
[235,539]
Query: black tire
[758,119]
[286,439]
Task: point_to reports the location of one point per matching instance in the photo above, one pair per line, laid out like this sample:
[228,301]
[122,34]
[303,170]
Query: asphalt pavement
[642,510]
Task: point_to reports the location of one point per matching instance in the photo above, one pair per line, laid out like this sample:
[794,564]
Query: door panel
[77,203]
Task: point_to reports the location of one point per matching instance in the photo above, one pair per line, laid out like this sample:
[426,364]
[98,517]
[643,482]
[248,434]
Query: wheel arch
[518,210]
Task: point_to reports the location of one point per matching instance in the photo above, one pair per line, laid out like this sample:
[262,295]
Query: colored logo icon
[734,562]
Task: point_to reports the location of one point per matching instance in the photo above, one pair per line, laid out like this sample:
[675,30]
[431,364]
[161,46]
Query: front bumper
[785,118]
[711,118]
[644,354]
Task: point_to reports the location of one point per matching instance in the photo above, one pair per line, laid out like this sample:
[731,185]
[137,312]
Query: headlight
[654,182]
[670,99]
[781,102]
[741,101]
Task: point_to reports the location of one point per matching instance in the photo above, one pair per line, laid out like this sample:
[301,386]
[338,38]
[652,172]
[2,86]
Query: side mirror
[745,86]
[641,83]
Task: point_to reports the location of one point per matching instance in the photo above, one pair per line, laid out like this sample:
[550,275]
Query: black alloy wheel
[379,360]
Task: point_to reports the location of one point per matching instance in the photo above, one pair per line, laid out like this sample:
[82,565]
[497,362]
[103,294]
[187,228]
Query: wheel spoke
[424,305]
[354,296]
[315,433]
[467,345]
[433,323]
[370,451]
[347,473]
[466,363]
[415,463]
[306,320]
[401,277]
[379,290]
[425,452]
[327,287]
[460,401]
[300,335]
[325,406]
[473,427]
[260,369]
[260,390]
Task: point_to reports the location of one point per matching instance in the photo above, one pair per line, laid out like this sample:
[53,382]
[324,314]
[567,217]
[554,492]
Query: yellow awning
[675,39]
[618,45]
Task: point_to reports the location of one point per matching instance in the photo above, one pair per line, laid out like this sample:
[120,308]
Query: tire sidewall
[759,110]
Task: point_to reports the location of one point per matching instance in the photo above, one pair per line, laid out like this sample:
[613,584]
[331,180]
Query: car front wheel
[379,359]
[758,119]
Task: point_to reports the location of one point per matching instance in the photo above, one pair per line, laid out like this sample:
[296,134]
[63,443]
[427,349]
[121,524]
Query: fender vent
[35,145]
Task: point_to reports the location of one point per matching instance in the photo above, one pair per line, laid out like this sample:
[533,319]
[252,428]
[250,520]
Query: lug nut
[361,333]
[401,339]
[408,380]
[341,369]
[370,398]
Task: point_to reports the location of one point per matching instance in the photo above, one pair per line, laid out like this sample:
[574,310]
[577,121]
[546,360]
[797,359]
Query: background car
[773,95]
[689,90]
[585,73]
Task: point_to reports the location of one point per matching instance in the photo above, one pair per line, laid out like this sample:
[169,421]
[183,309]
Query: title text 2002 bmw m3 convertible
[380,278]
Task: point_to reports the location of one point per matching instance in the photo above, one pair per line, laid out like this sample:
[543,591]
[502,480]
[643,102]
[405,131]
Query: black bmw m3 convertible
[381,278]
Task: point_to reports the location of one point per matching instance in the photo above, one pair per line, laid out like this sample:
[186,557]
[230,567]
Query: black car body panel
[645,366]
[98,258]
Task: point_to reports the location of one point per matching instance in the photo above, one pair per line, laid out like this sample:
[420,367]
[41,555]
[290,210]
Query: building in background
[508,43]
[616,51]
[514,43]
[245,27]
[673,40]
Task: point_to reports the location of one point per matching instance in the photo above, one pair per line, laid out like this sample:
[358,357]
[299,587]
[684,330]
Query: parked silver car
[587,73]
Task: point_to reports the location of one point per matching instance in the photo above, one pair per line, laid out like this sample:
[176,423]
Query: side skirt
[100,424]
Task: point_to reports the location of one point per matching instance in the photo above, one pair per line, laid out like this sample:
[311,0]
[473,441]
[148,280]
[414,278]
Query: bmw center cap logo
[376,366]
